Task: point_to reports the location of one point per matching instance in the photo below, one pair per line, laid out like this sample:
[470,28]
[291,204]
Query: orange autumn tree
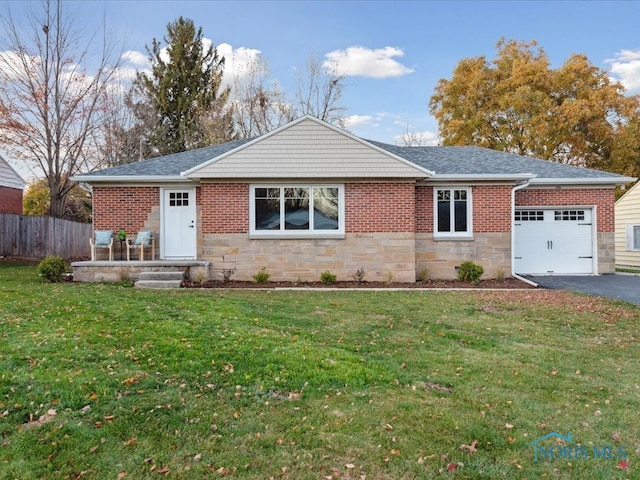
[575,114]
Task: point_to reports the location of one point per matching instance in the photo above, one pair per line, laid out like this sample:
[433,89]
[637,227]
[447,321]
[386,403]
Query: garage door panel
[553,241]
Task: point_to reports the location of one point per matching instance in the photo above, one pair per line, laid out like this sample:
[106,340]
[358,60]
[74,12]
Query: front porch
[120,271]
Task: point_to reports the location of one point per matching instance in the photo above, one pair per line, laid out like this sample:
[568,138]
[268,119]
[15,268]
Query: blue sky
[393,52]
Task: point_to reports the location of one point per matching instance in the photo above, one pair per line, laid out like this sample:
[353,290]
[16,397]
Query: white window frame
[282,233]
[633,231]
[453,235]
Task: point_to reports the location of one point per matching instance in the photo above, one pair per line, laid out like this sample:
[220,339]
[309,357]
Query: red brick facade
[491,208]
[10,200]
[369,207]
[126,208]
[379,207]
[602,198]
[224,206]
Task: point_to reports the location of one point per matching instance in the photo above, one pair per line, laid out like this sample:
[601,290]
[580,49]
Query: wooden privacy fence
[37,237]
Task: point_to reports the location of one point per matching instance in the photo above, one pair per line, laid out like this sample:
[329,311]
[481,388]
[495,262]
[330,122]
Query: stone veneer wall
[383,256]
[439,259]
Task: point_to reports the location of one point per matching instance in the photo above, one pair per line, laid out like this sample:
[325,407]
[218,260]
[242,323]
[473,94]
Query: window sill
[453,238]
[296,236]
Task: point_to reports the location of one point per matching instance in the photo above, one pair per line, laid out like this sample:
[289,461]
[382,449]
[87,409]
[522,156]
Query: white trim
[132,178]
[630,236]
[459,177]
[620,180]
[295,234]
[468,234]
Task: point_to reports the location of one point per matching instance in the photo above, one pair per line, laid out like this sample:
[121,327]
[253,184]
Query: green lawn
[107,382]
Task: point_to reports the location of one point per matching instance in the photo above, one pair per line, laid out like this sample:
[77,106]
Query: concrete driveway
[615,286]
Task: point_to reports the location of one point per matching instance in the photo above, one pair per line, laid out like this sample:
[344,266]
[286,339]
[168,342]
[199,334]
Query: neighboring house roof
[310,148]
[9,177]
[630,196]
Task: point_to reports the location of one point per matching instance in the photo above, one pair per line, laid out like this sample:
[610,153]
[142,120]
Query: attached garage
[554,241]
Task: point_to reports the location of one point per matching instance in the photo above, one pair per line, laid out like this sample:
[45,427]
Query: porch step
[159,279]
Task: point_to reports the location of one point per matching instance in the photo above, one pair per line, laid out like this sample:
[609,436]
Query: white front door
[178,223]
[553,241]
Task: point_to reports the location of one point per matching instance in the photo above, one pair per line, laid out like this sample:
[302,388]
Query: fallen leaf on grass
[508,426]
[616,436]
[452,467]
[470,448]
[122,475]
[623,465]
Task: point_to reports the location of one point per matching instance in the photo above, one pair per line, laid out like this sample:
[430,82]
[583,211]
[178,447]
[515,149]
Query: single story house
[627,214]
[11,188]
[309,197]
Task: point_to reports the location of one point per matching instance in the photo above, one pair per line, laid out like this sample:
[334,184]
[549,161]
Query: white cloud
[237,62]
[357,120]
[417,139]
[135,58]
[625,67]
[366,62]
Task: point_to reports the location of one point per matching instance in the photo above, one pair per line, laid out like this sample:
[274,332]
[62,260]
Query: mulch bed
[506,284]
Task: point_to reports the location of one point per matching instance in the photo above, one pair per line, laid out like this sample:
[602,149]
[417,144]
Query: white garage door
[553,241]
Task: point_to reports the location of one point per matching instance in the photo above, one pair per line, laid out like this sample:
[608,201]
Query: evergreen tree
[183,103]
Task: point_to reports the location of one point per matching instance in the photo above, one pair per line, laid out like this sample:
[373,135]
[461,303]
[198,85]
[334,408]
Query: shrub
[359,275]
[228,273]
[262,276]
[388,277]
[52,268]
[423,275]
[470,272]
[327,278]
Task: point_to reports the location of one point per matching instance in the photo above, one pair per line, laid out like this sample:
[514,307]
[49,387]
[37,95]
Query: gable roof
[630,197]
[311,148]
[308,148]
[9,177]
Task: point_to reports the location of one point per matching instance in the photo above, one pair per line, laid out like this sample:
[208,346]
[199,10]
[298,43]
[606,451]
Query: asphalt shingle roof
[169,165]
[441,160]
[483,161]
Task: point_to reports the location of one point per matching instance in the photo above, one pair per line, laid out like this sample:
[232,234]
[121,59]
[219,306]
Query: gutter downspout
[513,234]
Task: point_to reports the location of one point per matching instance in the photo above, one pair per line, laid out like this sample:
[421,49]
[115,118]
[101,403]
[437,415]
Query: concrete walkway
[615,286]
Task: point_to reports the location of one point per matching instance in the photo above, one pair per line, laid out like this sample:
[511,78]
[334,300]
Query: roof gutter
[458,177]
[513,233]
[621,180]
[131,179]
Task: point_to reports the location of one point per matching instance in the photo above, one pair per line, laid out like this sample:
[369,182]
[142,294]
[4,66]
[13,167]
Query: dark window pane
[460,215]
[267,208]
[296,209]
[444,216]
[325,208]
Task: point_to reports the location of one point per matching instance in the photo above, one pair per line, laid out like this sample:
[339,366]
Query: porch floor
[122,270]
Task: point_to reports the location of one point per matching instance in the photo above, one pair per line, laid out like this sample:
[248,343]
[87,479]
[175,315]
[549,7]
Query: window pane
[636,237]
[461,215]
[267,208]
[444,214]
[325,208]
[296,208]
